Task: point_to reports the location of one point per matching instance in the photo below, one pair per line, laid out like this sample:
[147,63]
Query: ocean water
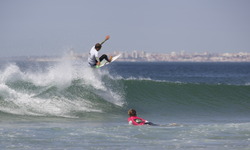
[68,105]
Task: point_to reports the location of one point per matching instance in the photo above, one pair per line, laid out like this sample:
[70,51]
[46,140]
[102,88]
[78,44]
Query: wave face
[73,89]
[188,99]
[188,90]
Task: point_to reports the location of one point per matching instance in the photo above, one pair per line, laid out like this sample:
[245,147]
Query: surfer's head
[131,112]
[98,46]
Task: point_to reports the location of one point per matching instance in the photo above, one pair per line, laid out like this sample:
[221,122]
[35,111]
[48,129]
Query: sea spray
[63,89]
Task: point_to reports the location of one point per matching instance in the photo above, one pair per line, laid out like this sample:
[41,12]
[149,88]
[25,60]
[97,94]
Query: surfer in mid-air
[93,59]
[137,121]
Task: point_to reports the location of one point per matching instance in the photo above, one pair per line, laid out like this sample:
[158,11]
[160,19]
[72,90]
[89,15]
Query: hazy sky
[51,27]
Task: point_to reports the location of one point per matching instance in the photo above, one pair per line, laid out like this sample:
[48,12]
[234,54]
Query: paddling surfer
[137,121]
[93,59]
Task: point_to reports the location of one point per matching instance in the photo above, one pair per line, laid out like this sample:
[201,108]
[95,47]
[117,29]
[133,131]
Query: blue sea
[68,105]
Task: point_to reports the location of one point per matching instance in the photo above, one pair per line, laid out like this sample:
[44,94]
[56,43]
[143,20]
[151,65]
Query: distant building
[151,57]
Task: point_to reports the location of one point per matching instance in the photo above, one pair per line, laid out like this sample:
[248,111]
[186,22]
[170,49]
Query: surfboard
[104,62]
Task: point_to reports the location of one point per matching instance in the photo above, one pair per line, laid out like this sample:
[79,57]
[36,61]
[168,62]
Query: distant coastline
[142,56]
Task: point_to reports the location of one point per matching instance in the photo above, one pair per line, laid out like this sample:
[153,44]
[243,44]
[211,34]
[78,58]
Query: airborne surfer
[93,59]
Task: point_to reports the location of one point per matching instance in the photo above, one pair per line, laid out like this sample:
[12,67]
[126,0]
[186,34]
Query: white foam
[22,103]
[11,72]
[61,76]
[92,77]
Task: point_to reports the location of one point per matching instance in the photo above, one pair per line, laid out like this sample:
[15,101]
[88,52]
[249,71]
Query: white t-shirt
[93,56]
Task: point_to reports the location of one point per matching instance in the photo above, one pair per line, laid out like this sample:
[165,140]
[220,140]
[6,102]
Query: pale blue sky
[50,27]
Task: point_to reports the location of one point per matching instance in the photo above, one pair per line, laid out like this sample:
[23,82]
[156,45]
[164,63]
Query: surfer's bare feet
[110,58]
[173,124]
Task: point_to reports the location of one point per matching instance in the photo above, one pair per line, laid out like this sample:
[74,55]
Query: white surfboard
[104,62]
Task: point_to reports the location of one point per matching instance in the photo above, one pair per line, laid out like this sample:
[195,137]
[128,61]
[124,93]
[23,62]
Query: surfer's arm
[130,123]
[107,37]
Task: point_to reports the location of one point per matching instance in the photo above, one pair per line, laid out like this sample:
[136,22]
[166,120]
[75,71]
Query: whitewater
[69,105]
[58,90]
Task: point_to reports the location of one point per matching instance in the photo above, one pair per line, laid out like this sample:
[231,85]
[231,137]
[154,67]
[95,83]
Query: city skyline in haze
[30,28]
